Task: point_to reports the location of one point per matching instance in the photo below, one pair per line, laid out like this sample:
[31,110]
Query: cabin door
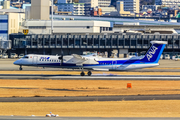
[114,64]
[35,60]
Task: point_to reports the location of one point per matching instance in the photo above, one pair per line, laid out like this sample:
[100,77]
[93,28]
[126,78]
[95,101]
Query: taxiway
[90,98]
[79,118]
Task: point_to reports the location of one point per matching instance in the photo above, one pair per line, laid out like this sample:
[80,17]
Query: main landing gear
[89,73]
[83,74]
[20,68]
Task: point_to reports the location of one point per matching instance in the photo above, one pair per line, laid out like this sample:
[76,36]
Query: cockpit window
[25,57]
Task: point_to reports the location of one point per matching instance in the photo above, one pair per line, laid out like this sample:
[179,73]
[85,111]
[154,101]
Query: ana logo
[152,51]
[47,58]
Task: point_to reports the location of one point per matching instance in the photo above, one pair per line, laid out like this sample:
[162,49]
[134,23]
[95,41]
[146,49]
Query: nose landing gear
[20,68]
[82,73]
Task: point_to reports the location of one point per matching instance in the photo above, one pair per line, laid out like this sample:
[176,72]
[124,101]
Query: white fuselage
[91,63]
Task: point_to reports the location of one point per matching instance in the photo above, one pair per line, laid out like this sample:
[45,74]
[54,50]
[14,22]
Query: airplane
[95,63]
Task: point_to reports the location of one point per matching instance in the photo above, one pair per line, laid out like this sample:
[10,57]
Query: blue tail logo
[151,52]
[154,53]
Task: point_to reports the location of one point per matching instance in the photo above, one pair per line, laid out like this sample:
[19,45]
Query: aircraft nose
[17,62]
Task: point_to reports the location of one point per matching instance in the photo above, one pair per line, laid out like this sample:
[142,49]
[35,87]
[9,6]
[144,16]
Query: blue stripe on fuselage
[101,63]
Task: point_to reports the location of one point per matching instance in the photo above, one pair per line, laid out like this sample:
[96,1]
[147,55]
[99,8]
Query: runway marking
[112,77]
[93,77]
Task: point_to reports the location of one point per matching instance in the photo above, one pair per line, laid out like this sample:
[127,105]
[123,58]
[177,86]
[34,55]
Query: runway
[90,98]
[80,118]
[93,77]
[7,65]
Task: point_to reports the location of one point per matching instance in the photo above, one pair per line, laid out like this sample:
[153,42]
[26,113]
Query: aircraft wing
[77,59]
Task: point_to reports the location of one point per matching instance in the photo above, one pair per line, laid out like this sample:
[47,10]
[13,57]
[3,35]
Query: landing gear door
[35,60]
[114,64]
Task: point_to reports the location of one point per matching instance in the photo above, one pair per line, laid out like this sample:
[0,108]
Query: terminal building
[77,43]
[77,34]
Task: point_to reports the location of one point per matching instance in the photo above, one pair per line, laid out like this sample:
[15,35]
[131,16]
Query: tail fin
[154,53]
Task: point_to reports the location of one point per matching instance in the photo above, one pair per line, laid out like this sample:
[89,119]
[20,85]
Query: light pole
[52,16]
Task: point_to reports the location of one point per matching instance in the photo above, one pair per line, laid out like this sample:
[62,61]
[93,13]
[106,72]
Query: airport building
[67,26]
[77,43]
[10,20]
[10,23]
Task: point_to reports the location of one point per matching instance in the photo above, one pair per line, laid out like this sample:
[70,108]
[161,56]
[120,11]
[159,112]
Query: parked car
[132,54]
[4,56]
[177,57]
[21,55]
[13,55]
[167,56]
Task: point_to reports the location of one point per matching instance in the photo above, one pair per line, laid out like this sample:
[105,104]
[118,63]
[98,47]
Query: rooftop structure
[40,9]
[67,26]
[119,20]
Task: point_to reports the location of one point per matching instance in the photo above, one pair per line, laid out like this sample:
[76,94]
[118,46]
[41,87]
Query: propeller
[61,57]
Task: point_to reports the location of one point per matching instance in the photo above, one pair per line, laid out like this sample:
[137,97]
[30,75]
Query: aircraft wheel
[89,73]
[82,74]
[20,68]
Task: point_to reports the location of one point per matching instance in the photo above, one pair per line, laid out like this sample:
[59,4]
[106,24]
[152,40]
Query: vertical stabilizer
[154,53]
